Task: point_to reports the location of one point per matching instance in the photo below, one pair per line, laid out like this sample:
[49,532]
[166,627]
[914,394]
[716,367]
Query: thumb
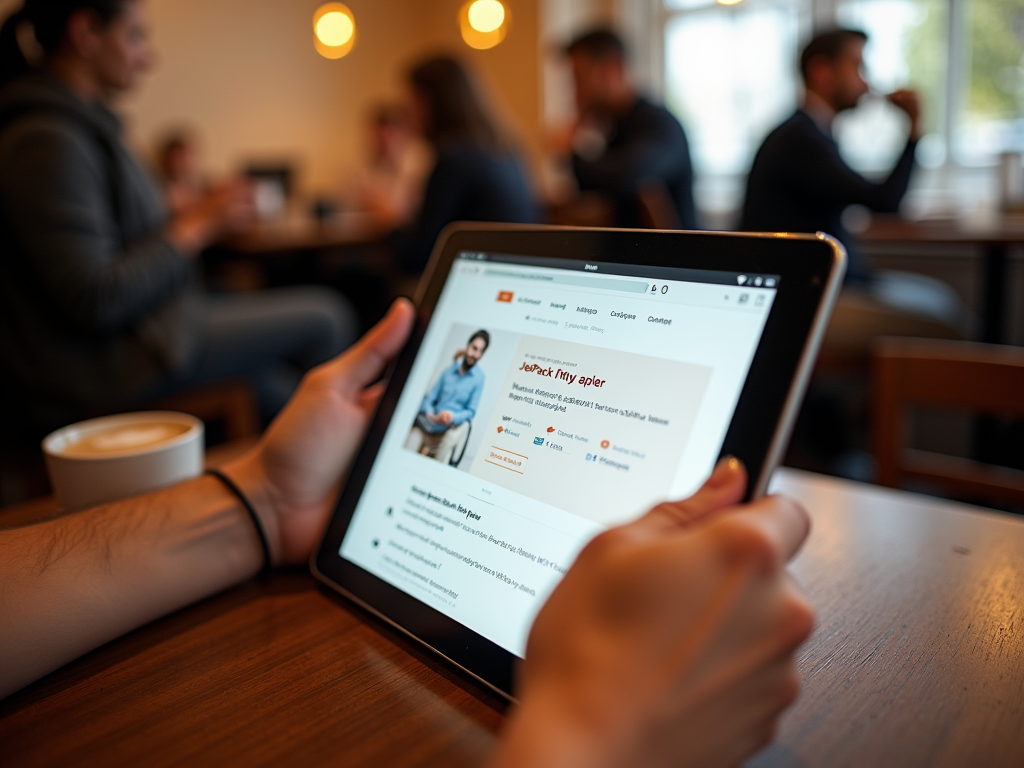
[364,362]
[724,488]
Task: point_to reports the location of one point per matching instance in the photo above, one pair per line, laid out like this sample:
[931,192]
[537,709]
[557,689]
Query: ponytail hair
[36,31]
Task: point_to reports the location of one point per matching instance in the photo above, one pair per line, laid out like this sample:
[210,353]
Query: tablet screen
[549,400]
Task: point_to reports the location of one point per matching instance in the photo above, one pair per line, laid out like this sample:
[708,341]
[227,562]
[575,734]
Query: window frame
[823,14]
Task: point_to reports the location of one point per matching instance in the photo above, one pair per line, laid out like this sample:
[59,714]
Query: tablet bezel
[810,267]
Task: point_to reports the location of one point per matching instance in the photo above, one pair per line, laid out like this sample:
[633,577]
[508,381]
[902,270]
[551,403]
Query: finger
[370,397]
[365,361]
[782,521]
[724,488]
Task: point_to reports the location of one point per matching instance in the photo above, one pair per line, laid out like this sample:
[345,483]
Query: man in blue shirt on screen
[442,424]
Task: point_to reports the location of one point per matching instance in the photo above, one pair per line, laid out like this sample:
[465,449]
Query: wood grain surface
[1006,229]
[917,660]
[918,654]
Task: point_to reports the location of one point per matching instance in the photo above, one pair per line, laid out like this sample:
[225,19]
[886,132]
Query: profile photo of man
[443,422]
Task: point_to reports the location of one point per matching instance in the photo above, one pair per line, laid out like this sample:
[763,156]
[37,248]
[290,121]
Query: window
[907,47]
[991,115]
[731,76]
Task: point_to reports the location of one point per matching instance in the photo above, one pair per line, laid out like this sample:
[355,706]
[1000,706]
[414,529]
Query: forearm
[895,187]
[462,415]
[850,188]
[74,583]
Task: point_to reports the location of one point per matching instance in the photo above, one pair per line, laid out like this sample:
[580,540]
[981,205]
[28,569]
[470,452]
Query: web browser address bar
[582,281]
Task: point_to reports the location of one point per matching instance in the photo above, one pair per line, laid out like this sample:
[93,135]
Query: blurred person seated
[670,642]
[100,308]
[622,141]
[478,175]
[799,182]
[389,184]
[178,167]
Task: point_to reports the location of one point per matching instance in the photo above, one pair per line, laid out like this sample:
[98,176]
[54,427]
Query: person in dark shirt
[621,140]
[799,182]
[478,176]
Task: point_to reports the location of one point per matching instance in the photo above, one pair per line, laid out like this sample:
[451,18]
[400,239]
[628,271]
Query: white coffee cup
[112,457]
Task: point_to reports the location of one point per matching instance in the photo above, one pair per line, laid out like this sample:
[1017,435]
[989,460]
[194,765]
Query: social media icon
[500,430]
[550,430]
[538,441]
[505,297]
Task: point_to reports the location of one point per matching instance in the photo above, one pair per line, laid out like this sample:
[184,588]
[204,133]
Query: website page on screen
[550,399]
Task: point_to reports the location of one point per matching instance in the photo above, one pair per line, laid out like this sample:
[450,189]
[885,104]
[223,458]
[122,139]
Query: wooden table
[917,660]
[994,238]
[306,234]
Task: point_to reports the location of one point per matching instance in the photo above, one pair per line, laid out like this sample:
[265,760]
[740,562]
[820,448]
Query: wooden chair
[979,378]
[233,403]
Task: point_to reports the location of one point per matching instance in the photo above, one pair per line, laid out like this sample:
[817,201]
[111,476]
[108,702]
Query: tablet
[559,381]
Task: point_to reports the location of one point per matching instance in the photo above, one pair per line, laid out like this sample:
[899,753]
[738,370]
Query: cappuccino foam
[125,437]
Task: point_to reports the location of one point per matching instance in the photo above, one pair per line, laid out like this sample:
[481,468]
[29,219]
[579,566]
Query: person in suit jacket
[799,181]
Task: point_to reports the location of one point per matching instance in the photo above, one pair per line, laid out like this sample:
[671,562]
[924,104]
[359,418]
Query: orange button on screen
[505,296]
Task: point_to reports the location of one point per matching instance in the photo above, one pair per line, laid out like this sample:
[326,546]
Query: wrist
[545,731]
[247,473]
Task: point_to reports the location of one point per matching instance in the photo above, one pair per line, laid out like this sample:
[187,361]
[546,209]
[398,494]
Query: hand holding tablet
[560,382]
[670,642]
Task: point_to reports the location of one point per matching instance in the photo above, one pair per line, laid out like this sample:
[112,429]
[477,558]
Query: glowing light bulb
[486,15]
[334,30]
[483,23]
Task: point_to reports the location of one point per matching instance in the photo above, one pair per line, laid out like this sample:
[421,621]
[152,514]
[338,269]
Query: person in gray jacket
[100,307]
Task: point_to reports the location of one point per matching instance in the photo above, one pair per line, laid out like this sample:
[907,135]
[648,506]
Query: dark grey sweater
[95,304]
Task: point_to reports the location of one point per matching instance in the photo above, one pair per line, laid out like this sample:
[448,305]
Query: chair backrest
[461,448]
[984,379]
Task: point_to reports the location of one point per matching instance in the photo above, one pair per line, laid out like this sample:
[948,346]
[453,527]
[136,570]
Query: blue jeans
[268,338]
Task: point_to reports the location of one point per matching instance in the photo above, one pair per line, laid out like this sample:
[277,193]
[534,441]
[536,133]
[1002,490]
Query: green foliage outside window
[926,45]
[996,89]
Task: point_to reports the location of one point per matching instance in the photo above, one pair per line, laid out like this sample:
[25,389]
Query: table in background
[302,233]
[994,238]
[917,659]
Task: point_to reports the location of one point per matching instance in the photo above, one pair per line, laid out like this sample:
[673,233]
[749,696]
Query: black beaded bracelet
[230,484]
